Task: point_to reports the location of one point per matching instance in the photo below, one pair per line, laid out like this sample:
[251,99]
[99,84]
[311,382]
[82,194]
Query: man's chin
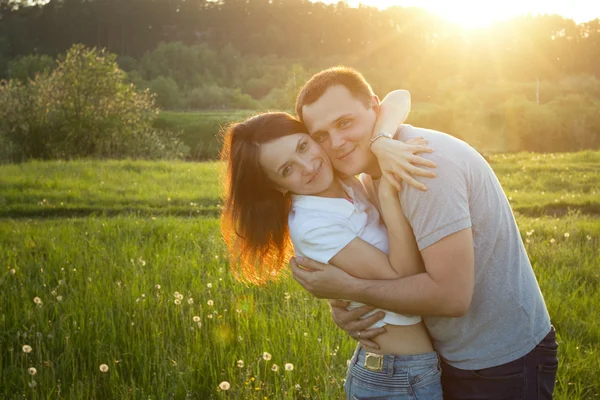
[346,169]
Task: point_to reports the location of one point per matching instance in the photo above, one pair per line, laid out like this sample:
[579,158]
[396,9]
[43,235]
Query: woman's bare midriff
[403,340]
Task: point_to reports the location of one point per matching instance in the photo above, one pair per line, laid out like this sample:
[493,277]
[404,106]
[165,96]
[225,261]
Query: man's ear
[375,103]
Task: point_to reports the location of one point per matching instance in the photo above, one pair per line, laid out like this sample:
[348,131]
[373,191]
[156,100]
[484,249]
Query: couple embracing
[435,281]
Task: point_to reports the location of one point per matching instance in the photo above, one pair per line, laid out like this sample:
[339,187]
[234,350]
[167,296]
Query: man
[479,296]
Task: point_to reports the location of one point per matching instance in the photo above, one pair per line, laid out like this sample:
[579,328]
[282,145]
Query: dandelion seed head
[13,271]
[177,301]
[103,367]
[157,286]
[209,285]
[32,384]
[567,234]
[190,301]
[32,371]
[240,363]
[209,316]
[289,367]
[37,300]
[59,298]
[266,356]
[196,318]
[27,349]
[210,303]
[275,368]
[224,385]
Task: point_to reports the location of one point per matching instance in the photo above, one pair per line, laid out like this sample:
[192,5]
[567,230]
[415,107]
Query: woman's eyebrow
[296,150]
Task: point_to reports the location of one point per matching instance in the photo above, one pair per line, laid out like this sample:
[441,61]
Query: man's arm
[444,289]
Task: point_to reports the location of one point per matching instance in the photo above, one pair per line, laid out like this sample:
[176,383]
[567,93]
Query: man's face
[343,126]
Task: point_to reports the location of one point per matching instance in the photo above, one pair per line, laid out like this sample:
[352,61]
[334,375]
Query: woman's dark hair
[254,217]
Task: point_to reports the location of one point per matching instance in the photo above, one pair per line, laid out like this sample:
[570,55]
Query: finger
[337,303]
[350,316]
[417,160]
[415,140]
[369,334]
[298,272]
[359,325]
[307,263]
[416,171]
[411,181]
[369,343]
[414,148]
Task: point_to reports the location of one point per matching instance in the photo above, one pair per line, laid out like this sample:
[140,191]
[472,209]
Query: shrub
[167,92]
[82,109]
[27,67]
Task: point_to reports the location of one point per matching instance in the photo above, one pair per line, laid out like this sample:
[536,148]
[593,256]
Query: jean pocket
[422,376]
[546,377]
[505,372]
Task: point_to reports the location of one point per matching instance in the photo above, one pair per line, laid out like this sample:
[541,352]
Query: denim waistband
[393,362]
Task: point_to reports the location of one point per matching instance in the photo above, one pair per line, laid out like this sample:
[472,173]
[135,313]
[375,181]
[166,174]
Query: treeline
[409,47]
[530,83]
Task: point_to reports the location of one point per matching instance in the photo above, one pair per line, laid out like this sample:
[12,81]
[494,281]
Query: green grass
[125,227]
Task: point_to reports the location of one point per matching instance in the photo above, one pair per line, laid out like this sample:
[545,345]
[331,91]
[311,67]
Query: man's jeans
[528,378]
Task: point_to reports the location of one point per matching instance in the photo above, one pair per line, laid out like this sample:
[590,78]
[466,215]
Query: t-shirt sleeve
[443,209]
[321,239]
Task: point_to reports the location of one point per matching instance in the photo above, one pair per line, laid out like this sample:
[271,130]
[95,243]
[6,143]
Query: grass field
[121,263]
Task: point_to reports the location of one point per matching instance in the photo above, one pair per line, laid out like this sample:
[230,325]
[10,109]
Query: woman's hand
[399,160]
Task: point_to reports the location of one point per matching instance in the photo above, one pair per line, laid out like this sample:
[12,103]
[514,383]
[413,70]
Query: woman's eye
[286,171]
[344,123]
[303,146]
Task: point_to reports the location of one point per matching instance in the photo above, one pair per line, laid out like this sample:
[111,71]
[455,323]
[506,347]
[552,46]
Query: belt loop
[356,354]
[390,368]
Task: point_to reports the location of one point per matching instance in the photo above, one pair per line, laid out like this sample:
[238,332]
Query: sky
[474,13]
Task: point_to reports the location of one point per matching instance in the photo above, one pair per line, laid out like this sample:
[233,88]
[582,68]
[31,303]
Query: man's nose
[337,140]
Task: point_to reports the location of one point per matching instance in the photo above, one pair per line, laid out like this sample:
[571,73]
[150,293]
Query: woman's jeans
[530,377]
[393,377]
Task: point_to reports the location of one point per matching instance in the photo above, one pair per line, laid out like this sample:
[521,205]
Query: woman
[280,185]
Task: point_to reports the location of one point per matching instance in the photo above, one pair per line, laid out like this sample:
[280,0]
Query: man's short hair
[340,75]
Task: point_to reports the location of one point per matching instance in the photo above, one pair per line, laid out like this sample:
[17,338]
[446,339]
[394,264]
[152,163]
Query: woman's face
[297,164]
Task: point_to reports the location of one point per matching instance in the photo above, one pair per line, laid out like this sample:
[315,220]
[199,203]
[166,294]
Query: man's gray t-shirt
[507,317]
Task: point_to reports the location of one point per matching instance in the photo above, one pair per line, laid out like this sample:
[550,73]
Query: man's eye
[303,146]
[344,123]
[286,171]
[320,137]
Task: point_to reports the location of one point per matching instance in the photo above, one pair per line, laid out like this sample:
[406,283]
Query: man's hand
[321,280]
[399,160]
[350,322]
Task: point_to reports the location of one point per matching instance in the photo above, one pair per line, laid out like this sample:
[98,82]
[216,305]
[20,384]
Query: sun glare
[477,13]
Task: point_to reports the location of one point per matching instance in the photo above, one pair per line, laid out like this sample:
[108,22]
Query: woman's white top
[320,227]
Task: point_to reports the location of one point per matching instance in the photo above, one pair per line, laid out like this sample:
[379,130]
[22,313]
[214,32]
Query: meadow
[115,285]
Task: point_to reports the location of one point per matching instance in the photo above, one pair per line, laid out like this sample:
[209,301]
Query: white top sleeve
[321,239]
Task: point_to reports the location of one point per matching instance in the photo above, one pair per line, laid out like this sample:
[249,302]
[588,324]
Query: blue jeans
[530,377]
[393,377]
